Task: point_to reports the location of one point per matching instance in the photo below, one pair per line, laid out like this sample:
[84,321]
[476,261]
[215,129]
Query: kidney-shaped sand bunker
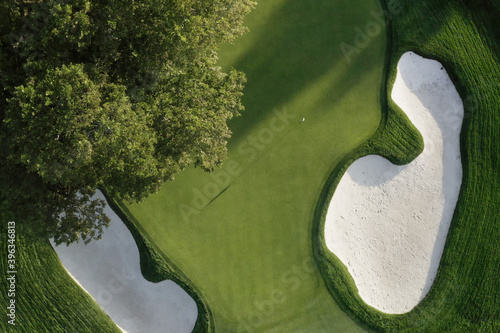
[388,223]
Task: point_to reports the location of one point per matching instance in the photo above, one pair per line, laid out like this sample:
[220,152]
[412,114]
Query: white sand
[388,223]
[109,271]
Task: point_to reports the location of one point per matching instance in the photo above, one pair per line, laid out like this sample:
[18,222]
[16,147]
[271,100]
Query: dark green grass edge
[397,140]
[386,142]
[157,267]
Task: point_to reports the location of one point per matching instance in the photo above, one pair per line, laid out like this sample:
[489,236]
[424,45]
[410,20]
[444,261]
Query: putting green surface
[242,235]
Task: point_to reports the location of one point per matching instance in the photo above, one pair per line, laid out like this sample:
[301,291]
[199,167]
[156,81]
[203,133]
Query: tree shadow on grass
[302,45]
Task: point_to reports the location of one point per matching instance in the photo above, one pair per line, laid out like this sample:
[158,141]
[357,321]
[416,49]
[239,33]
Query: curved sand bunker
[109,271]
[388,223]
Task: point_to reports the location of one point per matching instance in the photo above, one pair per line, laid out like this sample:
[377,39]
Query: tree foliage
[116,94]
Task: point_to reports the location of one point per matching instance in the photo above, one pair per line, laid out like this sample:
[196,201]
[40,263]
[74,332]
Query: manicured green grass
[246,256]
[465,296]
[46,298]
[243,234]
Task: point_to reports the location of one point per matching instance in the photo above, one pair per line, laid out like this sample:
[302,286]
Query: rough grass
[465,296]
[47,299]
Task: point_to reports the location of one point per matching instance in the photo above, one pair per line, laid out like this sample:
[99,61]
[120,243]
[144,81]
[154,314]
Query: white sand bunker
[388,223]
[109,271]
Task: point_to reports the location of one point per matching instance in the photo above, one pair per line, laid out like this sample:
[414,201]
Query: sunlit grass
[245,248]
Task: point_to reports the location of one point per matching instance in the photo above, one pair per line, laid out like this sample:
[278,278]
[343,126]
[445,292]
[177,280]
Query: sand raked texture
[108,269]
[388,223]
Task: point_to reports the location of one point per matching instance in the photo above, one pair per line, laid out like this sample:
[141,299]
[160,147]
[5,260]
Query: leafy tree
[116,94]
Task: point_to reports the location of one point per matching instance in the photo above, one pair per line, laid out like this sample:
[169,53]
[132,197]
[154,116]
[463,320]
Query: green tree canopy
[116,94]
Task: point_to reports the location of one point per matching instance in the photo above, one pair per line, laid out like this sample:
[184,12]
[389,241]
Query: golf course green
[247,241]
[242,234]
